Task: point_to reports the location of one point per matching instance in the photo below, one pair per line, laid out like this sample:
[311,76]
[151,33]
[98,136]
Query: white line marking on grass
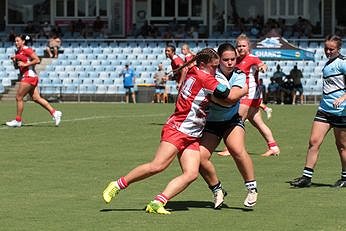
[88,118]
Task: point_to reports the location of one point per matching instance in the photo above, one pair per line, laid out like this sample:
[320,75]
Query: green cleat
[156,207]
[111,191]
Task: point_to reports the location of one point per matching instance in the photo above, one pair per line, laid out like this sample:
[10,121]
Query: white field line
[89,118]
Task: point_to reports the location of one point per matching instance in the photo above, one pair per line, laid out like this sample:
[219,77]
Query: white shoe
[269,113]
[219,198]
[251,198]
[14,123]
[57,117]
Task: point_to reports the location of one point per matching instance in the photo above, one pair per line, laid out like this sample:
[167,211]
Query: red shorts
[179,139]
[251,102]
[30,80]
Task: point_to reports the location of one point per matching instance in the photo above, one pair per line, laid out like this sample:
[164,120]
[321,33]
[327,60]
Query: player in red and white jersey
[188,55]
[250,104]
[25,59]
[176,63]
[181,133]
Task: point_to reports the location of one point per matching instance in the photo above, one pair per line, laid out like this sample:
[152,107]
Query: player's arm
[229,96]
[262,67]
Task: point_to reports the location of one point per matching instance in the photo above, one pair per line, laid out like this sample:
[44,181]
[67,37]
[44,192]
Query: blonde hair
[242,37]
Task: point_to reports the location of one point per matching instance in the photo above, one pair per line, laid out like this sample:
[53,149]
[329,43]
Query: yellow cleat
[156,207]
[111,191]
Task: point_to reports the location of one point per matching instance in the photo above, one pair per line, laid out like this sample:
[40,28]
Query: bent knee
[191,175]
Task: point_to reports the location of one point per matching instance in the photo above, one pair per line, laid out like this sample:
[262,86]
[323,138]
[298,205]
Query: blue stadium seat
[101,89]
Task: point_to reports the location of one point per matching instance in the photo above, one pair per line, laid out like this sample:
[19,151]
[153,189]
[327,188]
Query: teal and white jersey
[334,86]
[217,112]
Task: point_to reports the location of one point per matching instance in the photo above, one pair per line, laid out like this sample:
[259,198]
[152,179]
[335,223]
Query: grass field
[52,177]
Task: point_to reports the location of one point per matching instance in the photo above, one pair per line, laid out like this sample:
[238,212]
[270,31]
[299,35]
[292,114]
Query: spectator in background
[160,78]
[279,77]
[31,29]
[192,33]
[53,46]
[57,30]
[262,89]
[296,75]
[129,76]
[80,27]
[273,91]
[12,35]
[287,89]
[98,27]
[46,30]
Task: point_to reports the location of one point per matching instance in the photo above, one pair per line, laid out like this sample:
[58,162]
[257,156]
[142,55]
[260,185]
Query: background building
[209,18]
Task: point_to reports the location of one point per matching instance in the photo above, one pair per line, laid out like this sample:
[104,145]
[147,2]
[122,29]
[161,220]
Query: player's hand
[338,102]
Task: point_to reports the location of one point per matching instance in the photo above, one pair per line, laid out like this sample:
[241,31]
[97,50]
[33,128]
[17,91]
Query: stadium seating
[94,67]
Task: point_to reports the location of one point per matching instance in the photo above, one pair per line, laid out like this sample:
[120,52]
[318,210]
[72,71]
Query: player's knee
[191,175]
[157,168]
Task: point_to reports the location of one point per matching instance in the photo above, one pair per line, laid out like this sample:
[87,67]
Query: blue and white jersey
[219,113]
[334,78]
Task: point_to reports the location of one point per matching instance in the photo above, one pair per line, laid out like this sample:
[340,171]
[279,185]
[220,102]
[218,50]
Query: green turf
[52,178]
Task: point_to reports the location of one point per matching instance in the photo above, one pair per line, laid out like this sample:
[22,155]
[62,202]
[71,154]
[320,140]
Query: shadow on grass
[120,210]
[185,205]
[180,206]
[157,124]
[312,185]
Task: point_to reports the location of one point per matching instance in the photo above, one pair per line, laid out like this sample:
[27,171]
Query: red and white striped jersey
[190,110]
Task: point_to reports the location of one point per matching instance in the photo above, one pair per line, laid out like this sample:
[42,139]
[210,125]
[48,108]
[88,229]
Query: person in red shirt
[181,133]
[176,63]
[25,60]
[250,104]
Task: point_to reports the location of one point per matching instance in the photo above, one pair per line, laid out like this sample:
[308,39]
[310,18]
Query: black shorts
[223,128]
[129,89]
[333,120]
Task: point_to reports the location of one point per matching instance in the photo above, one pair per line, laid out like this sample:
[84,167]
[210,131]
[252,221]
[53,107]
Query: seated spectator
[98,27]
[287,90]
[56,29]
[144,30]
[46,30]
[12,35]
[273,92]
[193,34]
[31,30]
[53,45]
[81,28]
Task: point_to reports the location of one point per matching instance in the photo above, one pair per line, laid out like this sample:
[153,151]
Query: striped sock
[308,172]
[272,144]
[161,198]
[343,175]
[216,187]
[122,183]
[251,185]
